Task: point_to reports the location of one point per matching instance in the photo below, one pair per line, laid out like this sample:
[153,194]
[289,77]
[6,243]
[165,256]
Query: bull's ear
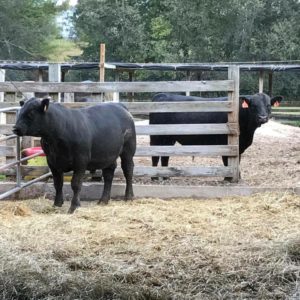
[245,101]
[22,102]
[45,104]
[275,101]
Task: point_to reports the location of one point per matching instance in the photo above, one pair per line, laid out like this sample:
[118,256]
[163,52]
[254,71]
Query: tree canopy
[159,31]
[193,31]
[27,28]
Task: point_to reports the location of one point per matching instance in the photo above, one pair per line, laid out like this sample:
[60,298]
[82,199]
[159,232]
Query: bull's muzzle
[262,119]
[16,130]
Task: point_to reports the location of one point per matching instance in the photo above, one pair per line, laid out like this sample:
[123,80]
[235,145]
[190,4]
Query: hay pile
[234,248]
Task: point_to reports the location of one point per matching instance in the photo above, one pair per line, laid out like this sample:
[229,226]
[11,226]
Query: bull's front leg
[58,179]
[76,185]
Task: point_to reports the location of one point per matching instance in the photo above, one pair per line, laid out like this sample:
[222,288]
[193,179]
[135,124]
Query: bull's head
[31,116]
[259,106]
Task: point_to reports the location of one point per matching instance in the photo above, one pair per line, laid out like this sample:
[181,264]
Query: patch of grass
[232,248]
[62,50]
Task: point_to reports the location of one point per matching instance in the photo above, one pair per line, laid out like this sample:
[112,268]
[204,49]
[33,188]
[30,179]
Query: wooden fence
[231,128]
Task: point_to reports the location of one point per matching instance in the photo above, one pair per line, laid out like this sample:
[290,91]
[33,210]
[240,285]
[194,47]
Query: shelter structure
[57,71]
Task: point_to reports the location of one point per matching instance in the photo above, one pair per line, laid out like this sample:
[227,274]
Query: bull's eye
[30,115]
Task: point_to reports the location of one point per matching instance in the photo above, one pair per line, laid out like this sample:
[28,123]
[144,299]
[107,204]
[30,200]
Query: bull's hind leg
[76,185]
[108,175]
[127,166]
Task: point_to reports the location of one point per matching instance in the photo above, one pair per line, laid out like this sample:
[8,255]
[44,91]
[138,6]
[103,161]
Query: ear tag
[277,103]
[245,104]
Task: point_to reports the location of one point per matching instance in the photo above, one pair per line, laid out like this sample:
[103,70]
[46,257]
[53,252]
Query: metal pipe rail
[19,160]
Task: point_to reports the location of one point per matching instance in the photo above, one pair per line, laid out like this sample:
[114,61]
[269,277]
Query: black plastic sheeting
[149,66]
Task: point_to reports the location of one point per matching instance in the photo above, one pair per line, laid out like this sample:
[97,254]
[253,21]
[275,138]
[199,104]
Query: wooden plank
[233,117]
[6,129]
[166,130]
[9,104]
[199,106]
[187,151]
[8,151]
[92,191]
[175,171]
[104,87]
[146,107]
[186,129]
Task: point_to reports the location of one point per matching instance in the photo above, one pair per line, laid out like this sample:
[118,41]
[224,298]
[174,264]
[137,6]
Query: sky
[62,19]
[72,2]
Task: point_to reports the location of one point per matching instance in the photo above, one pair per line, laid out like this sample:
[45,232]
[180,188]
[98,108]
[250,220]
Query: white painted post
[233,117]
[54,75]
[2,79]
[188,78]
[116,95]
[261,82]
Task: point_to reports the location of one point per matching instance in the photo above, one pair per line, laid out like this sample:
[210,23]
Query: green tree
[117,23]
[27,27]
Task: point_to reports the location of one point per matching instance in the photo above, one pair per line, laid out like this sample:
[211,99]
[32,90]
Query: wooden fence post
[116,95]
[271,84]
[102,67]
[2,79]
[233,117]
[261,82]
[54,75]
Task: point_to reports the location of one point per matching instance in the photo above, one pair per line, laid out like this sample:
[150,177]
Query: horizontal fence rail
[106,87]
[141,171]
[155,107]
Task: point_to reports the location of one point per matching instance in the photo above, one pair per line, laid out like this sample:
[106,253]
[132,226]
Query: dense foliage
[200,30]
[193,31]
[26,29]
[161,31]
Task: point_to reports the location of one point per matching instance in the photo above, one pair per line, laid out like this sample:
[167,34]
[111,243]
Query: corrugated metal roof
[276,67]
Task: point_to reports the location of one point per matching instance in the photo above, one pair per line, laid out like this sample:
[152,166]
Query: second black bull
[255,112]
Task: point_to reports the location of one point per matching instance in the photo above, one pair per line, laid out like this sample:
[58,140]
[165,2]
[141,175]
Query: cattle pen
[230,247]
[91,190]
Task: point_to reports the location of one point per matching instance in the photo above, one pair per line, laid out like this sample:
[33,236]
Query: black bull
[254,111]
[81,139]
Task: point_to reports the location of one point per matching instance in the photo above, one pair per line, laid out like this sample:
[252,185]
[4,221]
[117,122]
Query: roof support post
[261,82]
[54,75]
[271,84]
[116,95]
[2,79]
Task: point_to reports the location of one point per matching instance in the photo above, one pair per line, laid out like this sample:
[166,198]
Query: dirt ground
[273,160]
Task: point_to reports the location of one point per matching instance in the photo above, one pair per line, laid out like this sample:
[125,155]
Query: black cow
[79,140]
[254,111]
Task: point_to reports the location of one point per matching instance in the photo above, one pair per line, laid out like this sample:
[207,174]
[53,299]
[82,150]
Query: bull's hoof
[72,209]
[228,179]
[128,198]
[103,202]
[154,178]
[58,204]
